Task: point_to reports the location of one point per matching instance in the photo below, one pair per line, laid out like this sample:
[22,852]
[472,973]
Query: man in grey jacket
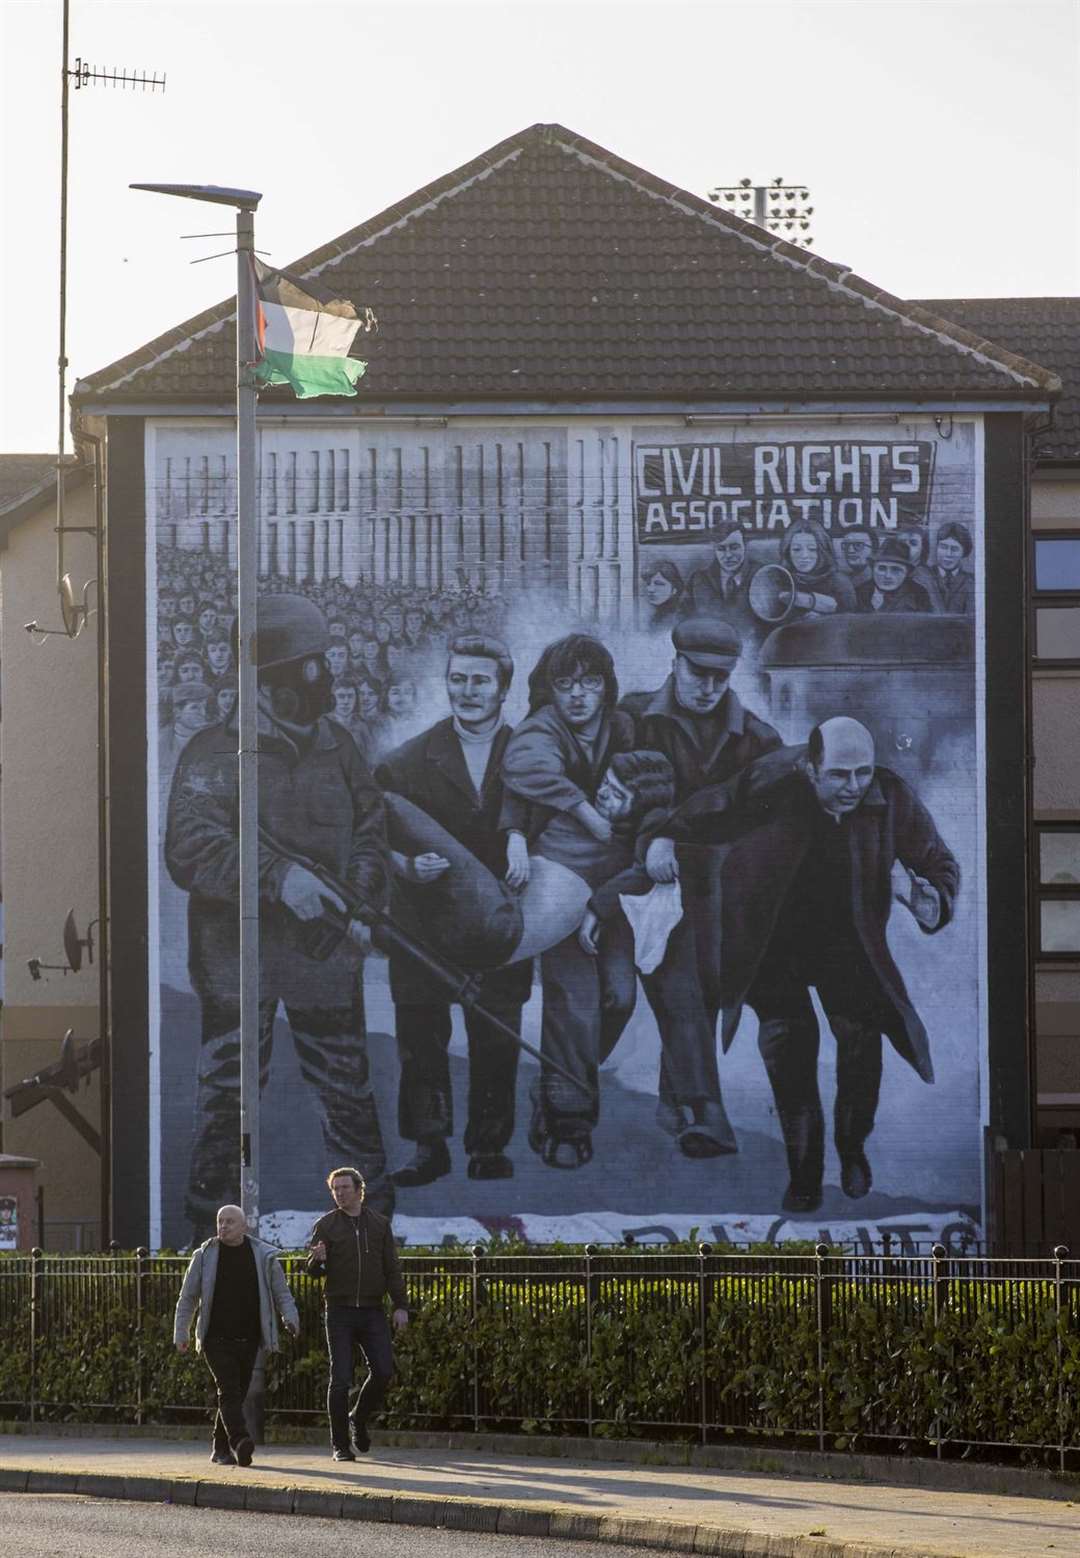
[237,1288]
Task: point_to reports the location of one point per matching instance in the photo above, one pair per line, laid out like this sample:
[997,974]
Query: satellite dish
[74,943]
[72,613]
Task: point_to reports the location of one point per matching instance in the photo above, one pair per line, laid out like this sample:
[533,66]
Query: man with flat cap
[701,727]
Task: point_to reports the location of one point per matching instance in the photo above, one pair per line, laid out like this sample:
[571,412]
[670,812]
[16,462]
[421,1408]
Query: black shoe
[343,1455]
[796,1200]
[568,1152]
[490,1165]
[361,1439]
[430,1162]
[709,1135]
[223,1458]
[855,1176]
[245,1449]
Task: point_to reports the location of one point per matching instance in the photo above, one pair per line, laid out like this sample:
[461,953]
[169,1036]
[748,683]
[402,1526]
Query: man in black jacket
[453,773]
[812,835]
[697,721]
[353,1248]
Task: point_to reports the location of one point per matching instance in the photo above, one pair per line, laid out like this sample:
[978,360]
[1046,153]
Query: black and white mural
[621,827]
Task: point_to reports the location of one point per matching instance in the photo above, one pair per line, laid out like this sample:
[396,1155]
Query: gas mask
[299,690]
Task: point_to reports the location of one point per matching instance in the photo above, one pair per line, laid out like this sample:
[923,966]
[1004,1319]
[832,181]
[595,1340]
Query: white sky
[939,138]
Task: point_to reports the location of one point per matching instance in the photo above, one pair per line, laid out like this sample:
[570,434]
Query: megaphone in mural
[772,593]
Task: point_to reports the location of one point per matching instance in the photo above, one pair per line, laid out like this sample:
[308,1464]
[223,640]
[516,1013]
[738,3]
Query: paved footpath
[670,1508]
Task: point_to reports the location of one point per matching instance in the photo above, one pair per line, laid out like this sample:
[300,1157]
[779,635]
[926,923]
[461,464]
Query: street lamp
[245,202]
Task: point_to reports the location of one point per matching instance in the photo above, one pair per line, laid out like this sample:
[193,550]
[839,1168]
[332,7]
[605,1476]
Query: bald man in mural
[812,835]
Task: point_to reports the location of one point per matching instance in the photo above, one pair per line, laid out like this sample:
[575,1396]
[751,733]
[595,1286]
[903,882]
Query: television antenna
[74,613]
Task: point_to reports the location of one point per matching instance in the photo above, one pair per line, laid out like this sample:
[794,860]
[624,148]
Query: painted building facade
[610,430]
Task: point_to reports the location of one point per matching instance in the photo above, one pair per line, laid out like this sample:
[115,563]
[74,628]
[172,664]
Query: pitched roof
[1046,329]
[27,481]
[548,268]
[22,475]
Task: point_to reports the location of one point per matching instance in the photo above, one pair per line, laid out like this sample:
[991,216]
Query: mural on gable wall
[656,752]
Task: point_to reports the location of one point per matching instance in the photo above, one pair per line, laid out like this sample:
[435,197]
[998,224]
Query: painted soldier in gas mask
[317,804]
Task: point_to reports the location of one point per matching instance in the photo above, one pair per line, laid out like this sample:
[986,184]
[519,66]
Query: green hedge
[866,1362]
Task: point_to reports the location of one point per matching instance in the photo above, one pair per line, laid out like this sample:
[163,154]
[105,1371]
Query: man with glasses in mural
[553,770]
[857,556]
[318,807]
[806,892]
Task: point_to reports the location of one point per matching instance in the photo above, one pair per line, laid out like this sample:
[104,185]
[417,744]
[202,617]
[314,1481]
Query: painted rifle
[388,936]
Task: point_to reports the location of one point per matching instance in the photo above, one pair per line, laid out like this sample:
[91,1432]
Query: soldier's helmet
[289,627]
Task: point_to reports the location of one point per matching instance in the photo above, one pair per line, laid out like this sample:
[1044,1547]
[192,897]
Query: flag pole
[247,572]
[245,202]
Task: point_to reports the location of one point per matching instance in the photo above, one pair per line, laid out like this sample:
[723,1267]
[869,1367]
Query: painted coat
[430,772]
[546,771]
[758,816]
[320,802]
[664,726]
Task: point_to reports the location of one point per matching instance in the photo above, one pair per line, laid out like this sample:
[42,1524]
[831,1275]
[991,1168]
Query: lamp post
[245,202]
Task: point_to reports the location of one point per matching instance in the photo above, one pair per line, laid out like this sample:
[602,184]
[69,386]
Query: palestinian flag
[304,334]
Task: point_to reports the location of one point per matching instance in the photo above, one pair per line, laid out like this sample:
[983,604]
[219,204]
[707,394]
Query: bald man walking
[813,835]
[235,1285]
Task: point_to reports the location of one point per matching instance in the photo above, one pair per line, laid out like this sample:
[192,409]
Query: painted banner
[686,491]
[621,860]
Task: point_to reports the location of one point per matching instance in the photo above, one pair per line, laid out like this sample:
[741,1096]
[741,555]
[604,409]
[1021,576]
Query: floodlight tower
[780,208]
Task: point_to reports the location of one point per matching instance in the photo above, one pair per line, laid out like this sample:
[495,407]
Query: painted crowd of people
[584,841]
[855,570]
[386,639]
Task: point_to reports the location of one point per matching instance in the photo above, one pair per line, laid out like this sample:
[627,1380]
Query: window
[1056,577]
[1058,893]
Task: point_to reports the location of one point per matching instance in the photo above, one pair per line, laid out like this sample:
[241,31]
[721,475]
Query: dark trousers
[231,1361]
[684,995]
[587,1003]
[425,1099]
[789,1040]
[348,1326]
[325,1007]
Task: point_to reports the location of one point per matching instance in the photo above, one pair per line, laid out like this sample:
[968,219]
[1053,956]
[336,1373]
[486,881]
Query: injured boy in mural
[317,803]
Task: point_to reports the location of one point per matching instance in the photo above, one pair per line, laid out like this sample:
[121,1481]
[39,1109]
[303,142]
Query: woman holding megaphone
[821,587]
[806,581]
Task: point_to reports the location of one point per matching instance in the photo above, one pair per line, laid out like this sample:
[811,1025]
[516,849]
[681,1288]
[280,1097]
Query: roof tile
[551,269]
[1045,329]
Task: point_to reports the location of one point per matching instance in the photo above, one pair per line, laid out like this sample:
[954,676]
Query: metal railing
[936,1354]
